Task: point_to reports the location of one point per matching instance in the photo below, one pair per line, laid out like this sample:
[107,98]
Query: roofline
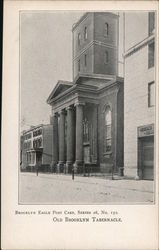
[34,127]
[96,76]
[111,82]
[68,83]
[139,45]
[91,12]
[80,20]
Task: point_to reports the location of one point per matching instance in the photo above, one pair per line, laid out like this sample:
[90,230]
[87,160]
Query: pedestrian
[37,169]
[73,173]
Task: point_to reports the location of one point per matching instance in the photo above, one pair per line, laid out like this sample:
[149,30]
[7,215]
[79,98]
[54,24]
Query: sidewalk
[122,184]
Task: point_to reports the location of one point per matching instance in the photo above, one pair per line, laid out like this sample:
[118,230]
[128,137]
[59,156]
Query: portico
[68,130]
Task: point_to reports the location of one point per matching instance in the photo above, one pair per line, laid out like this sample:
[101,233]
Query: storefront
[146,152]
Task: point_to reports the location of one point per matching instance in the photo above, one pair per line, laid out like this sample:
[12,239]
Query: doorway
[146,154]
[39,158]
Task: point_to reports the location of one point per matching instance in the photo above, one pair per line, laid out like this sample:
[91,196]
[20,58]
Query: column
[54,142]
[79,138]
[95,134]
[61,142]
[70,139]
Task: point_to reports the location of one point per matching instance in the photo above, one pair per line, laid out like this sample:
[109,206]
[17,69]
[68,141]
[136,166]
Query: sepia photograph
[80,125]
[87,107]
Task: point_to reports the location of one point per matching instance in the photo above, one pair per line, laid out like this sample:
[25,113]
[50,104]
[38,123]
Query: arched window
[108,128]
[79,39]
[85,33]
[106,57]
[85,60]
[106,29]
[85,130]
[79,65]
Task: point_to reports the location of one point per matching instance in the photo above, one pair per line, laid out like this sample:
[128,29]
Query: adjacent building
[88,113]
[139,95]
[36,148]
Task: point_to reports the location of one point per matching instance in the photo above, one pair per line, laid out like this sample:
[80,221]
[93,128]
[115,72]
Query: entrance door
[86,154]
[148,158]
[39,158]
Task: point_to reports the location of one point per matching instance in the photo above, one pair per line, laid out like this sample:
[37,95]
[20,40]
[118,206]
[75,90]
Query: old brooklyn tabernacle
[87,114]
[101,122]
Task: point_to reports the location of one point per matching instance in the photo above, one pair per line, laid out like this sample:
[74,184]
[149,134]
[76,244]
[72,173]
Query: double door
[147,158]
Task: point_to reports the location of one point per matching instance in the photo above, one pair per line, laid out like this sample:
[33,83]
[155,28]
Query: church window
[79,39]
[108,128]
[85,60]
[86,130]
[79,66]
[106,29]
[85,33]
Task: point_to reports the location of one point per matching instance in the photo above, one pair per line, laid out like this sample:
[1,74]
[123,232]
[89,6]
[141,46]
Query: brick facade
[33,152]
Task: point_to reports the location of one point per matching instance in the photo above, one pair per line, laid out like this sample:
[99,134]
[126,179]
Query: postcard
[80,125]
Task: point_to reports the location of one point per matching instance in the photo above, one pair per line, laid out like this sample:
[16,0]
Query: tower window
[106,29]
[85,60]
[151,55]
[106,57]
[79,39]
[108,128]
[85,33]
[151,23]
[79,66]
[151,94]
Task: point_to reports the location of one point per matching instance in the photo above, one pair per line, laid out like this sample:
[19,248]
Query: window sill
[107,153]
[151,106]
[86,143]
[151,67]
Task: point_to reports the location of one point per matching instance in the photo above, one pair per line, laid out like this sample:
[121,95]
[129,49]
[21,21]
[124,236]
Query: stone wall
[107,160]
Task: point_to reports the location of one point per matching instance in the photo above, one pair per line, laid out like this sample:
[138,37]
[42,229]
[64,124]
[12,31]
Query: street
[61,189]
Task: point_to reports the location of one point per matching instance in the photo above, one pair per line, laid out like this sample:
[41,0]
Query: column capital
[54,114]
[69,108]
[62,112]
[79,103]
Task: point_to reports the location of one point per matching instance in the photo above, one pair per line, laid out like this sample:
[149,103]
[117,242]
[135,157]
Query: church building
[88,113]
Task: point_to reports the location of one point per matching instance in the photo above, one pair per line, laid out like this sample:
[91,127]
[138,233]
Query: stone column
[61,142]
[54,122]
[70,139]
[79,138]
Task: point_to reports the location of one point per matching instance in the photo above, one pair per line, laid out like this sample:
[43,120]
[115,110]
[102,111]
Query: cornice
[85,15]
[82,18]
[139,46]
[94,42]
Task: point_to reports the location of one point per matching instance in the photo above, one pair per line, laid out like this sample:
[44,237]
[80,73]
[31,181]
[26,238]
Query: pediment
[60,87]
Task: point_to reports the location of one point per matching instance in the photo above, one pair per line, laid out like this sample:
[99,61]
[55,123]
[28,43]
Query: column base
[60,167]
[69,166]
[78,167]
[53,167]
[121,171]
[137,178]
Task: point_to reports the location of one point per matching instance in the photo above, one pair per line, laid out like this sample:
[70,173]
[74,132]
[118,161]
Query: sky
[45,58]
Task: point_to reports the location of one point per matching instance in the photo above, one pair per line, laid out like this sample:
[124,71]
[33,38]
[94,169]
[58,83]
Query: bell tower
[95,44]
